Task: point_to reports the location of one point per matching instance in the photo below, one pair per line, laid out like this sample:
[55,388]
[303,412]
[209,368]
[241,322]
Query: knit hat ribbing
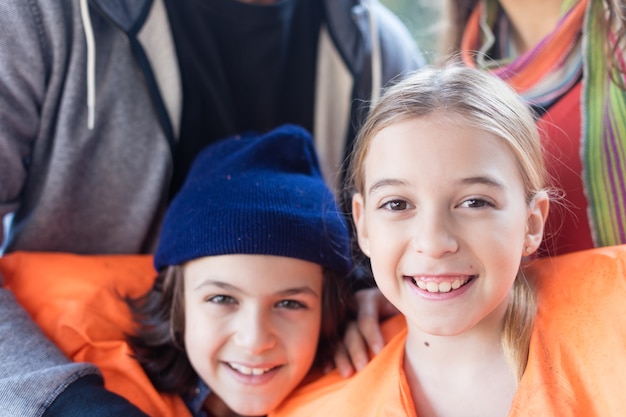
[256,194]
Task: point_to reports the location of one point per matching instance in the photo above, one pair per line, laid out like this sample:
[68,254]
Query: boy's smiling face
[252,324]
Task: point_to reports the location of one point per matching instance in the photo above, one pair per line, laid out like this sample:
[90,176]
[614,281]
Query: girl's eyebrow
[485,180]
[385,182]
[479,179]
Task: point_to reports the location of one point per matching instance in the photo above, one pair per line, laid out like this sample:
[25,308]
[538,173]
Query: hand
[363,335]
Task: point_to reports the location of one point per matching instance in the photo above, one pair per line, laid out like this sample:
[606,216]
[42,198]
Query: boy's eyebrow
[226,286]
[220,284]
[299,290]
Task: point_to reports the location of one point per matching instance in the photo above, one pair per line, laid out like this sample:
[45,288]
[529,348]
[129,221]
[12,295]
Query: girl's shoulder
[577,358]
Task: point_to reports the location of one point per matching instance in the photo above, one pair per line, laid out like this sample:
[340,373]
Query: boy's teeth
[248,371]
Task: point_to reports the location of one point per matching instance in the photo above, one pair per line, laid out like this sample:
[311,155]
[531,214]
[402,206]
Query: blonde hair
[485,102]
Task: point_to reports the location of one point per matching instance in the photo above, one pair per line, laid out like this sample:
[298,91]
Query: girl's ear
[535,224]
[358,215]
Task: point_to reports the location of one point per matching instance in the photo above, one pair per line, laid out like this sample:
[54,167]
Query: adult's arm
[33,372]
[23,58]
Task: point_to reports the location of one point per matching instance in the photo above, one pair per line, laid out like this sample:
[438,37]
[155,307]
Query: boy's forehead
[252,273]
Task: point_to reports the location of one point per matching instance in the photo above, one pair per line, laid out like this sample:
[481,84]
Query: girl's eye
[395,205]
[476,203]
[221,299]
[290,304]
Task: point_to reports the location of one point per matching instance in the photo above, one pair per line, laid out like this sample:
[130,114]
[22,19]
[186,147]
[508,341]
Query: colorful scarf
[541,75]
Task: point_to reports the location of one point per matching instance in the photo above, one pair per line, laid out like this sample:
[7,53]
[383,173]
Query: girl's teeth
[441,287]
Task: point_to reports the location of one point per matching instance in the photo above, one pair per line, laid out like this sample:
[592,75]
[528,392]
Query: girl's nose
[434,233]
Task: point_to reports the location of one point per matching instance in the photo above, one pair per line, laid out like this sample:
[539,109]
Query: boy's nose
[254,331]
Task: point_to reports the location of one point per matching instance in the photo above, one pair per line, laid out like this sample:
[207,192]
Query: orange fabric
[577,362]
[381,389]
[78,302]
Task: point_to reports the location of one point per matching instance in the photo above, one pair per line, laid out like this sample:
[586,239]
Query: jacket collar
[128,15]
[341,17]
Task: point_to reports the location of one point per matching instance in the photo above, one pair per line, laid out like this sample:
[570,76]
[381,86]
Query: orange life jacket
[576,367]
[78,301]
[577,362]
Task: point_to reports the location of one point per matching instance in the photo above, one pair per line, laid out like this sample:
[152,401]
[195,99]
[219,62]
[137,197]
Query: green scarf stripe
[604,137]
[615,195]
[618,123]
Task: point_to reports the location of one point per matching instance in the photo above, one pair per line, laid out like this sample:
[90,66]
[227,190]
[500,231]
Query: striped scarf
[541,75]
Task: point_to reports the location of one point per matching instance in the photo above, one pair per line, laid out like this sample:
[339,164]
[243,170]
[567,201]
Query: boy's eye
[290,304]
[221,299]
[395,205]
[475,203]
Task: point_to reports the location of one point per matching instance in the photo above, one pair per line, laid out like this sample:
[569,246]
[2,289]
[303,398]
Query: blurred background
[422,18]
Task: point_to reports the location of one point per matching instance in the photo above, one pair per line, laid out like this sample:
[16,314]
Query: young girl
[565,58]
[253,258]
[450,196]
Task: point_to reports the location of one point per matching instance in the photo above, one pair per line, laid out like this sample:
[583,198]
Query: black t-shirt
[244,68]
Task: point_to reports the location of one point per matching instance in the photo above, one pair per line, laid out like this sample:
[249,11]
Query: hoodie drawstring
[91,63]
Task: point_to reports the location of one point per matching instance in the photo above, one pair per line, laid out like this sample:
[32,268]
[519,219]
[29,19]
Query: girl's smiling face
[444,219]
[252,324]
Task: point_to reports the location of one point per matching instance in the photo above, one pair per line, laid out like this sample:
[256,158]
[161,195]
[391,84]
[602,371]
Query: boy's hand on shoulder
[363,337]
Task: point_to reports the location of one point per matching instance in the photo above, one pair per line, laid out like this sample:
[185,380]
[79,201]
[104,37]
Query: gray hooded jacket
[90,104]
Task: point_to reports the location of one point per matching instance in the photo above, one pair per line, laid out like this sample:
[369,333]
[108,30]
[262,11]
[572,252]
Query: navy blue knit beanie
[256,194]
